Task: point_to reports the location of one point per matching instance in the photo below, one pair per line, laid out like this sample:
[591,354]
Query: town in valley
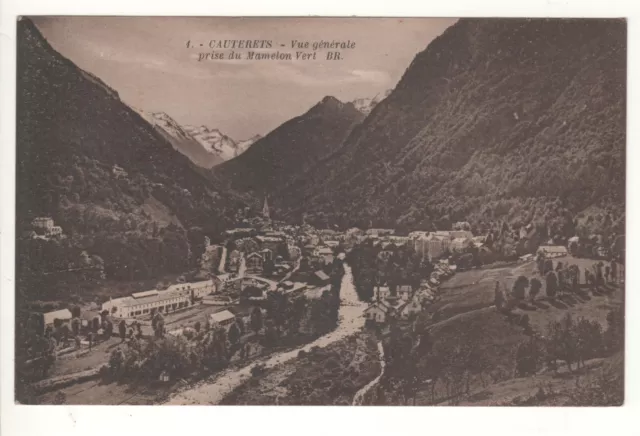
[457,238]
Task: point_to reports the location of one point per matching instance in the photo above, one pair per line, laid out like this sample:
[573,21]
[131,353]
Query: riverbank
[323,376]
[351,321]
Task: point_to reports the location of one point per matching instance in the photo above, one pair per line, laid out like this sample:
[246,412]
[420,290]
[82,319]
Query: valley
[456,238]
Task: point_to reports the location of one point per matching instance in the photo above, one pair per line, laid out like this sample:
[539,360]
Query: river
[359,396]
[351,320]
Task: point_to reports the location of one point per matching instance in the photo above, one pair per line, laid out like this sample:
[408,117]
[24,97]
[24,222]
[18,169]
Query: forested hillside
[515,120]
[73,137]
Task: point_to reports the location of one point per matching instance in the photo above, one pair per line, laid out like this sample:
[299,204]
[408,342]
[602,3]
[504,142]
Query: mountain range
[205,147]
[515,120]
[518,121]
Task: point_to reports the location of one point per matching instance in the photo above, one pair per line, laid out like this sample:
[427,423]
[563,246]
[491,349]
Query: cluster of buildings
[433,245]
[405,301]
[43,228]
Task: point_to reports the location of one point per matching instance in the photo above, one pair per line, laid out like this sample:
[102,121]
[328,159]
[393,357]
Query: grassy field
[474,289]
[465,314]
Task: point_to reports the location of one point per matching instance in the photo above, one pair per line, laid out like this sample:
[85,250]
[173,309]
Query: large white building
[431,246]
[176,297]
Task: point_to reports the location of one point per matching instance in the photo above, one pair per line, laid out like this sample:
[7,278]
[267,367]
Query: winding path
[359,397]
[351,321]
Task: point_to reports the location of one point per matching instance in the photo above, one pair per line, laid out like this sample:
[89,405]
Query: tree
[588,340]
[519,288]
[498,298]
[552,284]
[122,330]
[561,341]
[108,329]
[256,320]
[233,335]
[276,306]
[240,324]
[76,311]
[268,267]
[197,326]
[573,247]
[534,288]
[103,316]
[95,324]
[528,358]
[548,265]
[75,326]
[157,323]
[540,261]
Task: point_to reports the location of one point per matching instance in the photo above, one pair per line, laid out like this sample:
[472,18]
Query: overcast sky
[146,60]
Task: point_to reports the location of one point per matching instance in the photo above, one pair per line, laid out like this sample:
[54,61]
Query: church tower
[265,210]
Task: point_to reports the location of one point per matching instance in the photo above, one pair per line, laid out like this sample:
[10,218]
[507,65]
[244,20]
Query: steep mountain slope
[104,174]
[291,149]
[522,120]
[366,105]
[182,140]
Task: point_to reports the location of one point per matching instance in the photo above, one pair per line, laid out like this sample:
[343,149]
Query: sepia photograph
[322,211]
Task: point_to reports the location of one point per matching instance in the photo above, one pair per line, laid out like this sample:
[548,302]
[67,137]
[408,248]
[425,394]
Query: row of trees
[565,279]
[572,342]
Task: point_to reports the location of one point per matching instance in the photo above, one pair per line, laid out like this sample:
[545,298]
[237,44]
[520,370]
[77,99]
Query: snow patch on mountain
[366,105]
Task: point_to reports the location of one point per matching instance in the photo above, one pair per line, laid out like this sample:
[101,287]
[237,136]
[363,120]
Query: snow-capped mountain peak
[366,105]
[188,138]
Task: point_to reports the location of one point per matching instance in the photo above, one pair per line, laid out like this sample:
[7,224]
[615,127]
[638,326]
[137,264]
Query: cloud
[371,76]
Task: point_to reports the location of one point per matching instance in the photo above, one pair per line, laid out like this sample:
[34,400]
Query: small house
[404,292]
[378,312]
[223,318]
[552,251]
[63,315]
[381,292]
[255,263]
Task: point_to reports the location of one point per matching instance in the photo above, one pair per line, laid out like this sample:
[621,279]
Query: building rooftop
[145,294]
[152,298]
[553,248]
[223,316]
[321,275]
[62,314]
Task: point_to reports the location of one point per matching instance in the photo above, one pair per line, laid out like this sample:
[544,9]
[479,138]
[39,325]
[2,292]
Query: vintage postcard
[320,211]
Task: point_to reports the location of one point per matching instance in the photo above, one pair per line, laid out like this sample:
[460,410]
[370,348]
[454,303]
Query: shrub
[552,284]
[519,288]
[534,288]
